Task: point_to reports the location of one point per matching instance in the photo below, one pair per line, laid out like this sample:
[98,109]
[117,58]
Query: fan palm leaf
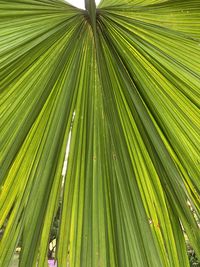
[120,88]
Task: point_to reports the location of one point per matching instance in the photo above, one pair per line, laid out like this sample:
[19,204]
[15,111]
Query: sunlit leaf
[121,90]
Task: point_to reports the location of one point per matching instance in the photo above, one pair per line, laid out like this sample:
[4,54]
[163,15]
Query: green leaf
[118,87]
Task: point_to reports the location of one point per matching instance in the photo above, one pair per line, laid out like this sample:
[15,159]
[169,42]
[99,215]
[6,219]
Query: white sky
[80,3]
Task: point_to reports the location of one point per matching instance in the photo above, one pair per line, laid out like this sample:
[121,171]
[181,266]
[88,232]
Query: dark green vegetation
[124,82]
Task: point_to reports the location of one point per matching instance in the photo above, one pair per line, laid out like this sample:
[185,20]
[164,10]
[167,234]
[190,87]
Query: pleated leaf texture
[121,90]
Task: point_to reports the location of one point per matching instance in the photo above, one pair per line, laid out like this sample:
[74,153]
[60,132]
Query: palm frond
[123,91]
